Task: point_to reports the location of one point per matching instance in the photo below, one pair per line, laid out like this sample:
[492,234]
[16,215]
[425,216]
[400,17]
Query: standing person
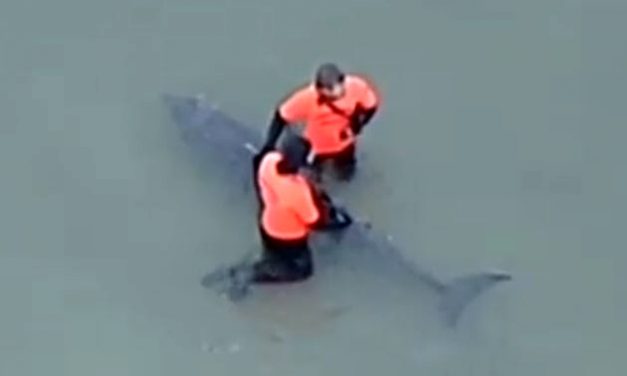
[335,108]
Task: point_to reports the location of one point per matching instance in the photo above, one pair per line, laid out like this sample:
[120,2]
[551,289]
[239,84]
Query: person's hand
[336,219]
[340,218]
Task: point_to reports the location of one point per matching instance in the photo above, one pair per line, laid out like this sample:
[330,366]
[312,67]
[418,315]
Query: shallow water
[500,144]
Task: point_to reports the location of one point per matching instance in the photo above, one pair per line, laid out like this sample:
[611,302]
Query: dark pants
[343,162]
[282,260]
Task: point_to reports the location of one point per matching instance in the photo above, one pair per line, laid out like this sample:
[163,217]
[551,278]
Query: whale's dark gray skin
[230,144]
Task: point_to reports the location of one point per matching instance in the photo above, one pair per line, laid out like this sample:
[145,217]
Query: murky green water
[501,144]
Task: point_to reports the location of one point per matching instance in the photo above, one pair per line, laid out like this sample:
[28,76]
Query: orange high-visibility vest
[289,207]
[328,127]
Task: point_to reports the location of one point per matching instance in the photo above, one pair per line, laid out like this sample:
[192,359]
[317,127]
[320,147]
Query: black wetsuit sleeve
[368,114]
[274,131]
[361,117]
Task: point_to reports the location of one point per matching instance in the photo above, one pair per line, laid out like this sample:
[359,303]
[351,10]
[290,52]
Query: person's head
[329,81]
[295,150]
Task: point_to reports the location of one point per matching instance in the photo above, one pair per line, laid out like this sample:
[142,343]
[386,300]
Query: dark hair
[328,75]
[295,150]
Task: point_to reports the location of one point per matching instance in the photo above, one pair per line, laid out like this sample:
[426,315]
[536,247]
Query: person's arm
[292,110]
[274,131]
[361,117]
[367,106]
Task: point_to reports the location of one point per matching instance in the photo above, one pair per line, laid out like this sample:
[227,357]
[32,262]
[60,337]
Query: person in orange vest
[291,207]
[335,107]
